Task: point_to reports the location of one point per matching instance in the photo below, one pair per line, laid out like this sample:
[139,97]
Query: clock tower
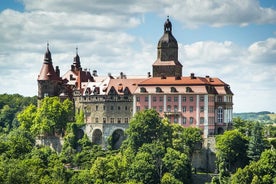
[167,64]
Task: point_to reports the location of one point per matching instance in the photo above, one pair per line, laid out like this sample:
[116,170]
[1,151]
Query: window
[175,99]
[118,120]
[219,98]
[175,119]
[184,99]
[154,107]
[184,109]
[143,90]
[103,107]
[126,108]
[146,99]
[138,108]
[189,90]
[119,107]
[169,99]
[158,89]
[191,99]
[160,99]
[220,115]
[97,108]
[104,120]
[96,120]
[169,108]
[201,108]
[160,109]
[111,107]
[111,120]
[201,120]
[154,98]
[202,98]
[173,90]
[184,120]
[126,120]
[175,108]
[191,120]
[191,108]
[138,99]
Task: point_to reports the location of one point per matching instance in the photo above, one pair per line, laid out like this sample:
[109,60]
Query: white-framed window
[184,109]
[191,120]
[184,120]
[220,114]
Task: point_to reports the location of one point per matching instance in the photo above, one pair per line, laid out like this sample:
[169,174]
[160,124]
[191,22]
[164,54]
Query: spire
[168,26]
[47,56]
[76,62]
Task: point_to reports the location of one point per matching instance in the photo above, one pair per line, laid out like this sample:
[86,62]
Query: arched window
[189,90]
[158,89]
[173,90]
[143,90]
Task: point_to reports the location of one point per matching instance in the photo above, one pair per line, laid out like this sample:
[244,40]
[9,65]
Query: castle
[110,102]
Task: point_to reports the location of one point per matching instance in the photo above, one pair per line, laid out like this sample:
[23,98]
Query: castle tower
[167,63]
[49,81]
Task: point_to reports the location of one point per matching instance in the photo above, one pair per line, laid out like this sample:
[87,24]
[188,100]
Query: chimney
[193,76]
[95,73]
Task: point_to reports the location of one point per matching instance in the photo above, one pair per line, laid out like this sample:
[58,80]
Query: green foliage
[256,143]
[262,172]
[10,105]
[49,118]
[52,116]
[178,164]
[231,152]
[168,178]
[145,127]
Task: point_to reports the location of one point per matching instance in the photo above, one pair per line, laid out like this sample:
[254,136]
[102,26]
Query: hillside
[263,116]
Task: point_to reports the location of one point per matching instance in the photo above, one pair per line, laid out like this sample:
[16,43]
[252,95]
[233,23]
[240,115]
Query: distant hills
[263,116]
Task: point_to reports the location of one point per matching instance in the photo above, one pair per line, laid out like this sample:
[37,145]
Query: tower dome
[167,45]
[167,63]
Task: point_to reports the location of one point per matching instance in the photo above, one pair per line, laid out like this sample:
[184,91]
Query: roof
[121,84]
[181,81]
[47,72]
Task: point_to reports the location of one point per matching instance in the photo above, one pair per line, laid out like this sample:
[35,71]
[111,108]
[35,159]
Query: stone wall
[204,159]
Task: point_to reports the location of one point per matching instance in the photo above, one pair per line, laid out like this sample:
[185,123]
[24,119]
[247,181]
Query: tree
[178,164]
[263,171]
[49,118]
[168,178]
[256,143]
[145,127]
[231,152]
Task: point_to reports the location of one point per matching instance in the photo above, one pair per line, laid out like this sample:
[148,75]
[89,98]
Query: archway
[117,138]
[97,137]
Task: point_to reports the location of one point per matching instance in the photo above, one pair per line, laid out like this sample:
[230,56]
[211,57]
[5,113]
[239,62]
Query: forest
[154,151]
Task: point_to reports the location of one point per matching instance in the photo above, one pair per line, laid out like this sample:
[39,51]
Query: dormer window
[158,90]
[189,90]
[143,90]
[173,90]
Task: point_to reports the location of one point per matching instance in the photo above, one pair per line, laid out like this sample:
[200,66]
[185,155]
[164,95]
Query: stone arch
[220,130]
[97,136]
[117,137]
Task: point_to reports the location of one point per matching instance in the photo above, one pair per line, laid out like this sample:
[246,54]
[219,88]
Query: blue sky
[230,39]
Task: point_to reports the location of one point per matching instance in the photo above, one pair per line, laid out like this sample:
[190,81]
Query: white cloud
[194,13]
[99,30]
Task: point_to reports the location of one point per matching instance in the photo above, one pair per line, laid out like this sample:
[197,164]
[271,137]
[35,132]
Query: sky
[230,39]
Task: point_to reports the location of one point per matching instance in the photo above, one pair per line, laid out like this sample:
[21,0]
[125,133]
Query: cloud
[99,30]
[217,13]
